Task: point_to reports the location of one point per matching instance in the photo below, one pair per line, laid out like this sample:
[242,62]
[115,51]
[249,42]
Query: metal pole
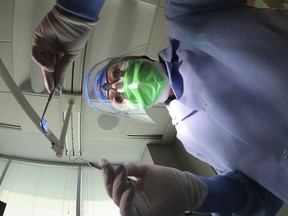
[65,126]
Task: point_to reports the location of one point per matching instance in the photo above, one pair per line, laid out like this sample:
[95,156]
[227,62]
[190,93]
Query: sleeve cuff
[87,9]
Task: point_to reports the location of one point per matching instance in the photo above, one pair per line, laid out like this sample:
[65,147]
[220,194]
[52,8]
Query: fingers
[127,207]
[119,185]
[44,52]
[136,170]
[53,39]
[51,59]
[108,175]
[55,74]
[44,60]
[94,165]
[61,69]
[124,192]
[49,81]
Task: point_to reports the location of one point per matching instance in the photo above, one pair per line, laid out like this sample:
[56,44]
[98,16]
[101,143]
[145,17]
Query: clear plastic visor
[103,89]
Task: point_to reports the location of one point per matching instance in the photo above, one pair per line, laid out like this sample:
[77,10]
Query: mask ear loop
[91,164]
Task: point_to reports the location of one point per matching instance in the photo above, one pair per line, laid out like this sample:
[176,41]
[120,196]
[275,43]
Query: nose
[119,87]
[110,86]
[114,86]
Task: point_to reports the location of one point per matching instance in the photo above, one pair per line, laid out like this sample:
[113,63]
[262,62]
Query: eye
[118,98]
[117,73]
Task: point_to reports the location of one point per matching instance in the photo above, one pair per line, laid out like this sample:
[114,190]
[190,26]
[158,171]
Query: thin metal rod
[5,171]
[79,192]
[48,101]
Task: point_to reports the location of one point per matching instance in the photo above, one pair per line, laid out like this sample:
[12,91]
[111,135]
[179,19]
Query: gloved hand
[157,190]
[57,41]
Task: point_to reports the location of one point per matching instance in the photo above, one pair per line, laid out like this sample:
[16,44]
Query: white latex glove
[57,41]
[158,190]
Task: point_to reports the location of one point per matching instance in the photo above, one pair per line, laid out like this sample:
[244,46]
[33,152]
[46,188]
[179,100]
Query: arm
[164,191]
[61,36]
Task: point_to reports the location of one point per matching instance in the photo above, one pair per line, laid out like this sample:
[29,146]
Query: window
[95,201]
[31,189]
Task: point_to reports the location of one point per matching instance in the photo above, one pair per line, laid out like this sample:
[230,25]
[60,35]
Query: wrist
[225,195]
[196,191]
[86,9]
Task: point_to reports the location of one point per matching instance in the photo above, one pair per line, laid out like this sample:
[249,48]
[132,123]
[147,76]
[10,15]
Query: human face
[136,83]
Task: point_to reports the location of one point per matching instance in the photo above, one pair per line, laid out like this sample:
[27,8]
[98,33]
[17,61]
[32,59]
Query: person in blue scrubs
[226,66]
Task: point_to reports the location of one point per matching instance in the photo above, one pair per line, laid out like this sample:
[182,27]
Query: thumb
[136,170]
[120,183]
[61,69]
[49,81]
[108,174]
[124,193]
[127,206]
[44,58]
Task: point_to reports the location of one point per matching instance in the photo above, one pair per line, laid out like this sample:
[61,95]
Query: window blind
[95,201]
[31,189]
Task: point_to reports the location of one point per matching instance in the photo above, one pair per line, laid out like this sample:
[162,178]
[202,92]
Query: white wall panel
[9,111]
[116,151]
[146,157]
[6,15]
[26,145]
[6,56]
[159,37]
[94,124]
[124,28]
[21,41]
[132,27]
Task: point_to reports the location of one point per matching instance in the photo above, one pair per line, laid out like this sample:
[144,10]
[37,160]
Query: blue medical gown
[228,67]
[87,9]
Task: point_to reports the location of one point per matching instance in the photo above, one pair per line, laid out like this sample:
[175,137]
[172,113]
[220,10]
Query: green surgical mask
[143,83]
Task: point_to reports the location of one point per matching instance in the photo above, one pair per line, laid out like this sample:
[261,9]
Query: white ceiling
[125,27]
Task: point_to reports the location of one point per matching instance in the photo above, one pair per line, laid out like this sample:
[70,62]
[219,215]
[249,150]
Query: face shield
[125,87]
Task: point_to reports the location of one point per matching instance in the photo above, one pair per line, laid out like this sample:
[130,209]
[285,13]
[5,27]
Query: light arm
[57,145]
